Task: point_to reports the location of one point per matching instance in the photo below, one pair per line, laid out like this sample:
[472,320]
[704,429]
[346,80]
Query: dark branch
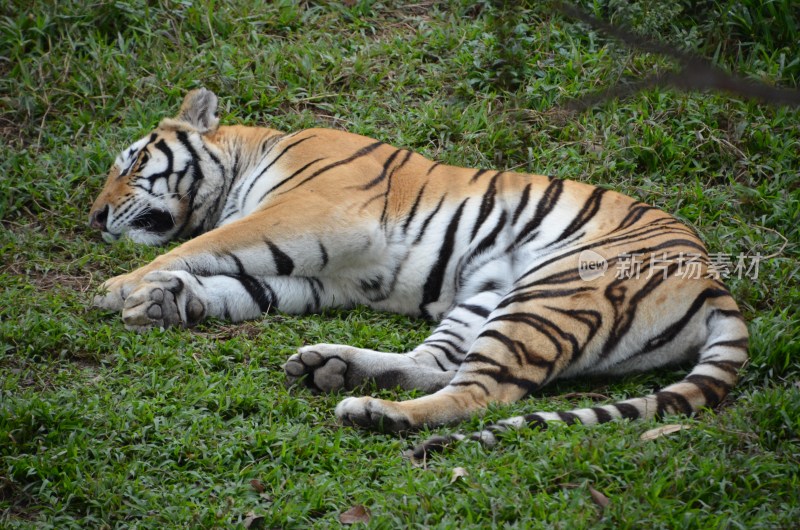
[696,73]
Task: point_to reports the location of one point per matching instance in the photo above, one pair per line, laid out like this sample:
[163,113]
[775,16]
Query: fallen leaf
[598,498]
[658,432]
[458,472]
[253,521]
[356,514]
[257,485]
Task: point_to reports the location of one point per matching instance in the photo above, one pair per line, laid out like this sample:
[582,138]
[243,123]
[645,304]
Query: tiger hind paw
[374,414]
[320,367]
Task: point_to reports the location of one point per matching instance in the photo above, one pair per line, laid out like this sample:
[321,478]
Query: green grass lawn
[103,428]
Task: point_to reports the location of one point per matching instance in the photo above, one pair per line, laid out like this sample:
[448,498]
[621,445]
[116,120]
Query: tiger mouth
[109,237]
[159,221]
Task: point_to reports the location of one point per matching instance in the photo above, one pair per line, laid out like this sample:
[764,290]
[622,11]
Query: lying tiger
[323,218]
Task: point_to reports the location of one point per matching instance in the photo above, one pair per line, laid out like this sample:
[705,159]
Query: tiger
[322,218]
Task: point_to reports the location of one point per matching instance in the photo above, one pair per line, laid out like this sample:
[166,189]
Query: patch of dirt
[13,135]
[226,331]
[18,499]
[39,376]
[52,280]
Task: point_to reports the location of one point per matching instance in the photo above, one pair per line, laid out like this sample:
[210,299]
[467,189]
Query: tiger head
[168,184]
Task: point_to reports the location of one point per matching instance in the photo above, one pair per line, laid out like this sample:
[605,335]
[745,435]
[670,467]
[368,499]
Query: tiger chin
[528,276]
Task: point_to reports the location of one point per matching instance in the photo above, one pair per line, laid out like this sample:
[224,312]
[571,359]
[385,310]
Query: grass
[104,428]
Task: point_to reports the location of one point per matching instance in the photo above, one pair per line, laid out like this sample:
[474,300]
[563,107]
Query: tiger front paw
[374,414]
[114,291]
[163,299]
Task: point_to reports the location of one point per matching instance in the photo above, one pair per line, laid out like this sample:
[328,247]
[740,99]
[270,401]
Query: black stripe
[623,320]
[568,417]
[627,410]
[592,319]
[324,252]
[414,207]
[728,313]
[214,158]
[586,213]
[504,377]
[456,321]
[636,211]
[447,353]
[456,347]
[377,180]
[489,240]
[434,166]
[439,364]
[449,332]
[287,179]
[546,205]
[547,328]
[487,205]
[521,353]
[477,174]
[523,202]
[542,293]
[512,346]
[283,152]
[472,383]
[197,175]
[262,295]
[385,211]
[671,402]
[713,389]
[731,367]
[427,220]
[602,414]
[433,285]
[475,357]
[358,154]
[534,420]
[674,329]
[738,343]
[162,146]
[313,285]
[475,309]
[183,138]
[283,263]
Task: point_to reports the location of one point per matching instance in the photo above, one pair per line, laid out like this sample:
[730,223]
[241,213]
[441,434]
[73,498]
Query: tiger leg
[719,326]
[508,360]
[179,298]
[258,246]
[429,367]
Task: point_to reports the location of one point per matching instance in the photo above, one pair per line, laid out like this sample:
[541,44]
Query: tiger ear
[199,109]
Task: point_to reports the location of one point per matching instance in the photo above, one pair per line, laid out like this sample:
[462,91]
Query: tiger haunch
[521,271]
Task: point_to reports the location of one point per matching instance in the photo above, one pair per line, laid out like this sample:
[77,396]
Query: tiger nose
[98,218]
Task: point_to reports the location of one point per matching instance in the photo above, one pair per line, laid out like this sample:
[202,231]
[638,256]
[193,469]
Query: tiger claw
[323,371]
[374,414]
[109,301]
[113,293]
[162,300]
